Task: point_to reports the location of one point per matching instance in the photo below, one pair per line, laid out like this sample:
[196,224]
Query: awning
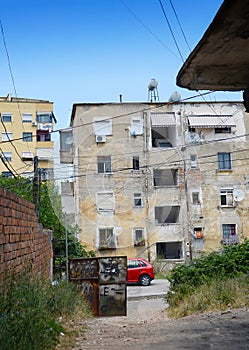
[210,121]
[163,119]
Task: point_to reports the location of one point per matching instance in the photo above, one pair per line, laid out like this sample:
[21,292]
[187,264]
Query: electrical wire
[14,85]
[178,21]
[147,28]
[171,30]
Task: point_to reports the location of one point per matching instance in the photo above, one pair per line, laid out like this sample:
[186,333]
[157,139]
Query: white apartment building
[164,181]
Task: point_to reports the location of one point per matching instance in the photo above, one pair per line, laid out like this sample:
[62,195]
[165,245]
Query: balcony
[44,153]
[27,155]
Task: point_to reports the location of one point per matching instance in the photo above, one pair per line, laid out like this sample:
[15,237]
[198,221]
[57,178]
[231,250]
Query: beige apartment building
[164,181]
[26,126]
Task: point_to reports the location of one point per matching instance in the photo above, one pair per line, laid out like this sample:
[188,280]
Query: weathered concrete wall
[22,242]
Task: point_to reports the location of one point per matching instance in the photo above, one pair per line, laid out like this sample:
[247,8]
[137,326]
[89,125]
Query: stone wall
[23,242]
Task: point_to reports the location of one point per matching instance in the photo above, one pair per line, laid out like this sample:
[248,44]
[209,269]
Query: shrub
[232,262]
[29,312]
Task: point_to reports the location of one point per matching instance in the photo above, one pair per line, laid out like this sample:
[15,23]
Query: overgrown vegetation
[214,281]
[33,312]
[50,213]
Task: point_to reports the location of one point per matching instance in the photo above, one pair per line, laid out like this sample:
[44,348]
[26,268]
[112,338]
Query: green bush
[30,309]
[233,261]
[212,296]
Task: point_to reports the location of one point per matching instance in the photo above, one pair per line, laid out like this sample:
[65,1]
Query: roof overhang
[220,61]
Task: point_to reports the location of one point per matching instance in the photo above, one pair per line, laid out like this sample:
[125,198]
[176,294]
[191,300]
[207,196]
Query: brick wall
[23,242]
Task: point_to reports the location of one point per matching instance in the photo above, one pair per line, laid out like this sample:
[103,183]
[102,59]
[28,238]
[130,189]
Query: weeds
[30,309]
[214,281]
[213,296]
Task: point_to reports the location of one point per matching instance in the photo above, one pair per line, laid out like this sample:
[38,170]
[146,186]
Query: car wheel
[144,280]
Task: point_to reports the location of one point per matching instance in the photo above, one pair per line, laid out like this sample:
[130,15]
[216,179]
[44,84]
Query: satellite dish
[69,140]
[175,97]
[238,195]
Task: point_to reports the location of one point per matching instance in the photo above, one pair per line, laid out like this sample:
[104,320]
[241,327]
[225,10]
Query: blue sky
[70,51]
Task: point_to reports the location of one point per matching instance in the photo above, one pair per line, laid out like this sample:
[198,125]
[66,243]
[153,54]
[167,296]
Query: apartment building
[159,180]
[26,126]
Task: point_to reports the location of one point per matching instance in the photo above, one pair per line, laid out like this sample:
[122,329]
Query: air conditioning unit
[101,138]
[34,123]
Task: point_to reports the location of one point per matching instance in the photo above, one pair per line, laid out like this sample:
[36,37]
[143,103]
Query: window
[163,130]
[103,127]
[195,197]
[47,174]
[105,201]
[27,155]
[165,177]
[229,232]
[45,117]
[6,117]
[7,136]
[7,156]
[136,126]
[138,200]
[132,264]
[223,130]
[224,161]
[43,136]
[135,163]
[104,164]
[27,118]
[169,250]
[138,235]
[27,174]
[167,215]
[7,174]
[193,161]
[27,136]
[226,198]
[198,232]
[106,238]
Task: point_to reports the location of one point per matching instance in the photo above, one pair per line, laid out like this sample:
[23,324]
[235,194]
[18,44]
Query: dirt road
[148,327]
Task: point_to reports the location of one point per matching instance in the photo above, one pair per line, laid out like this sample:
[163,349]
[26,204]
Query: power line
[171,31]
[13,82]
[147,28]
[178,21]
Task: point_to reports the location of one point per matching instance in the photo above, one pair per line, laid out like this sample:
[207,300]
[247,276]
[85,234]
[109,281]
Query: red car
[139,271]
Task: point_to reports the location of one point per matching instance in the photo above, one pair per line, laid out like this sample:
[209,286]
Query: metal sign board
[103,283]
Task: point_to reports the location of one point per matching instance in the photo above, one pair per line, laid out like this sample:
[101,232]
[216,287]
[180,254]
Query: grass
[211,296]
[34,314]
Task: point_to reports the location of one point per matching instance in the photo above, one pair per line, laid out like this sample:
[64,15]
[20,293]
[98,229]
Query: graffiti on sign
[112,300]
[83,269]
[103,283]
[112,270]
[90,291]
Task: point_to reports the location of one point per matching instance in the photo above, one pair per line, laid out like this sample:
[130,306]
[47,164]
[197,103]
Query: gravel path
[148,327]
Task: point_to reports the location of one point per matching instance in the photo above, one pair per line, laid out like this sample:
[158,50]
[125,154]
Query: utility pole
[66,243]
[36,184]
[146,185]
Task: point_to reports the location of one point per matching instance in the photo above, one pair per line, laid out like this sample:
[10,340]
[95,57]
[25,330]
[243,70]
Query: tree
[50,213]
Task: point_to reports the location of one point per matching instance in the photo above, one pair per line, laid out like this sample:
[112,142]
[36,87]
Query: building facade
[26,126]
[164,181]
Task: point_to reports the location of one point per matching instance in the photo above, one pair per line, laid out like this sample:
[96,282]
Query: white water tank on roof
[153,84]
